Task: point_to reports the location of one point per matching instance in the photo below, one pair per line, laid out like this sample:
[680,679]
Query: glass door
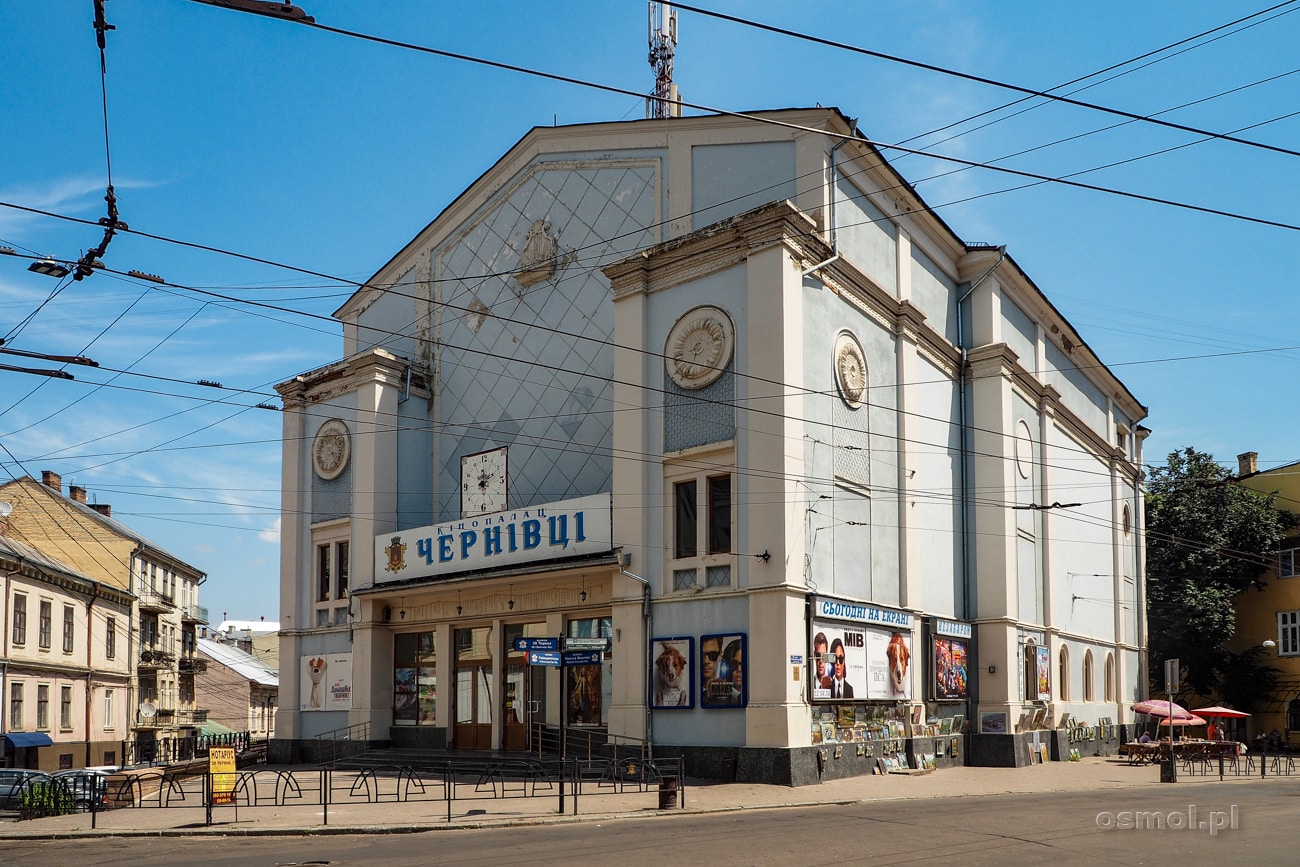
[474,700]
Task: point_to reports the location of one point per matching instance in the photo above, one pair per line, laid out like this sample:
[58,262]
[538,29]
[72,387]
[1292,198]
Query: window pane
[343,569]
[323,572]
[720,515]
[684,517]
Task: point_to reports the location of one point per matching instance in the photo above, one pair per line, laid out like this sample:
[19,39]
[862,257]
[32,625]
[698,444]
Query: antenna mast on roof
[663,40]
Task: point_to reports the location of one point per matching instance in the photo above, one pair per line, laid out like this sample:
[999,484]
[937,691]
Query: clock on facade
[699,347]
[331,449]
[483,487]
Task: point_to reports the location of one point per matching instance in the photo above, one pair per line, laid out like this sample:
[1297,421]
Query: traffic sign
[583,657]
[543,657]
[586,644]
[526,644]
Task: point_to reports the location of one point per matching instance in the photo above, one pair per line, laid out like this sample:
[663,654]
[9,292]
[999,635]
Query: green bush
[47,798]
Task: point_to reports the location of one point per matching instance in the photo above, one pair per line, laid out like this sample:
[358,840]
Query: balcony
[192,665]
[194,614]
[195,717]
[158,602]
[150,658]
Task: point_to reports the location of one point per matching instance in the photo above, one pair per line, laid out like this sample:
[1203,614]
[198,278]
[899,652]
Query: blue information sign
[544,657]
[584,657]
[526,644]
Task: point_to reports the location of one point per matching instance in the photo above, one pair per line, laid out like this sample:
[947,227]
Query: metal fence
[443,783]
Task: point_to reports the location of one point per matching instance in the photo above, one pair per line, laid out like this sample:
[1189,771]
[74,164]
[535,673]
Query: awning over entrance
[212,727]
[28,739]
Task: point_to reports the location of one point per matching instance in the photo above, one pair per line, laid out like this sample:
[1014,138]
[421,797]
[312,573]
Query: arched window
[1087,677]
[1064,689]
[1110,677]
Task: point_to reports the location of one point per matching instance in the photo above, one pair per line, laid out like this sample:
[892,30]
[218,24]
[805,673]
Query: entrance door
[473,707]
[514,703]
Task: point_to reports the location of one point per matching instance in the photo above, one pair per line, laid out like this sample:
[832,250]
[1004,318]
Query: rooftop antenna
[663,41]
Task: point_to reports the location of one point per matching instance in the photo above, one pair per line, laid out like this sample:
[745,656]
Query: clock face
[483,487]
[699,347]
[331,449]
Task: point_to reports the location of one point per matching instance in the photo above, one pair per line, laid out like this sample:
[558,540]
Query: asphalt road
[1233,822]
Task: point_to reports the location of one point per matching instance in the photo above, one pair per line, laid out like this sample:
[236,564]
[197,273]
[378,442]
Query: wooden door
[474,704]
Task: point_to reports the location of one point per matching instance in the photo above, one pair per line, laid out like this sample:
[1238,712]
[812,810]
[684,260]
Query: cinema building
[724,392]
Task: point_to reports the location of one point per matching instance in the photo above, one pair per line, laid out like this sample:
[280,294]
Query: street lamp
[50,268]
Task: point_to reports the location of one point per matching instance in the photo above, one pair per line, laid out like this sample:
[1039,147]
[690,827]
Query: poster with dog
[889,665]
[325,682]
[670,673]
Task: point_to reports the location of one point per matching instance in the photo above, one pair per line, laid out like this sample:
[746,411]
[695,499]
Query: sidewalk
[392,817]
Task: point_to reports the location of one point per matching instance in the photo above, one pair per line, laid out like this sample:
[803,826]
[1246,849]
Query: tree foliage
[1208,539]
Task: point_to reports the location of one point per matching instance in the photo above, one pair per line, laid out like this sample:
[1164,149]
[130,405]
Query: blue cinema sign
[568,528]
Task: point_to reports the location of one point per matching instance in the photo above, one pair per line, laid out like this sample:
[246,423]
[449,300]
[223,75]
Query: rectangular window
[42,706]
[15,707]
[110,638]
[685,514]
[720,515]
[1288,633]
[108,713]
[20,619]
[322,617]
[343,549]
[1287,563]
[46,628]
[323,572]
[69,619]
[65,707]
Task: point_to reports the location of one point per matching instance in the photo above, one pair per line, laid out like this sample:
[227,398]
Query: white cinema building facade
[725,392]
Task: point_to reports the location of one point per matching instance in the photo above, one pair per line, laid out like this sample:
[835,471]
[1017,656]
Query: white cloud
[271,535]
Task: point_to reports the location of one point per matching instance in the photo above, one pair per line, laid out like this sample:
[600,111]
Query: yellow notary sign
[221,764]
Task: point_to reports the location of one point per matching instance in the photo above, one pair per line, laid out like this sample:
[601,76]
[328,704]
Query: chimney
[103,508]
[77,494]
[52,480]
[1247,464]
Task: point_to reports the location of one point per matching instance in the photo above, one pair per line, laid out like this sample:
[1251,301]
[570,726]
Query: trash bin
[667,793]
[1168,771]
[728,771]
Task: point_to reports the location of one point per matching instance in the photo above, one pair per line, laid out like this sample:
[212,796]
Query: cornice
[374,366]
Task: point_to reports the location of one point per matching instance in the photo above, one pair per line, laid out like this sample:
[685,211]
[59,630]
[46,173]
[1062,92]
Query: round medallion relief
[850,369]
[699,347]
[331,449]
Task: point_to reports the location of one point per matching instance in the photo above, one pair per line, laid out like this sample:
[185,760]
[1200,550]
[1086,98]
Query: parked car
[14,782]
[85,786]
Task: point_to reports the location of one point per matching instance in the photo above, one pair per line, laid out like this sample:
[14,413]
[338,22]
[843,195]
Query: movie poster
[670,673]
[722,672]
[950,656]
[1044,675]
[889,665]
[838,663]
[326,682]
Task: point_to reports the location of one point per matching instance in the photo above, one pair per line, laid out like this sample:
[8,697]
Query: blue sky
[328,153]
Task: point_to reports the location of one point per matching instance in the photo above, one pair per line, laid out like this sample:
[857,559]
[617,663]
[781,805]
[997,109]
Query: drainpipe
[90,666]
[4,660]
[649,631]
[835,239]
[963,433]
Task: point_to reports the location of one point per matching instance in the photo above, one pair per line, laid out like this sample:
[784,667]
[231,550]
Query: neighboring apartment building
[160,632]
[1273,615]
[241,691]
[723,397]
[65,673]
